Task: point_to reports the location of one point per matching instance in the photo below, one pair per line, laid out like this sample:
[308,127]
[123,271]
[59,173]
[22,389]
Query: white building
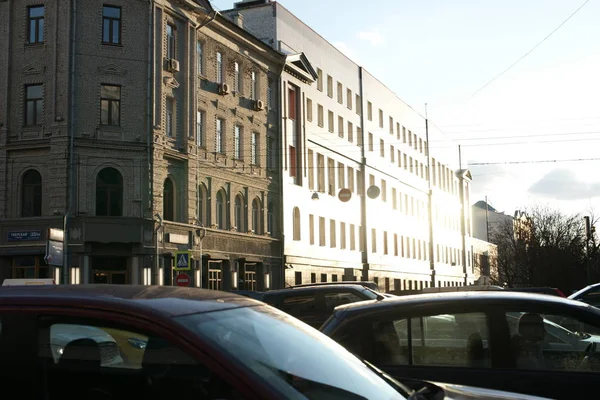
[346,130]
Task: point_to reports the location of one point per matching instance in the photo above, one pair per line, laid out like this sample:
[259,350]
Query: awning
[214,255]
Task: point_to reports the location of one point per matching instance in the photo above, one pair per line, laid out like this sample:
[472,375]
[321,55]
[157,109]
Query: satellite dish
[373,192]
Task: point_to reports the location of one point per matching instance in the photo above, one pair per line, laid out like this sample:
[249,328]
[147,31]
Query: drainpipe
[156,254]
[281,152]
[151,104]
[71,151]
[363,174]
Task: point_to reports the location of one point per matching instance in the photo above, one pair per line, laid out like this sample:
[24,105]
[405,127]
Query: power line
[530,51]
[534,161]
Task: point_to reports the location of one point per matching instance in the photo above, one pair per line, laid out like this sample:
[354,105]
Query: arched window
[296,223]
[169,200]
[257,216]
[31,195]
[239,213]
[271,218]
[203,205]
[109,193]
[221,213]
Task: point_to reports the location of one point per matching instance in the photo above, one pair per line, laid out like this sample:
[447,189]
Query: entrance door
[110,270]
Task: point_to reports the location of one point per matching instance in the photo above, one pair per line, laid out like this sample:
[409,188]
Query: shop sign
[54,253]
[24,236]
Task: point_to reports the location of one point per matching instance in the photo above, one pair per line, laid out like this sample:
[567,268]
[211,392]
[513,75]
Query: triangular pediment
[111,69]
[465,174]
[33,69]
[298,65]
[200,6]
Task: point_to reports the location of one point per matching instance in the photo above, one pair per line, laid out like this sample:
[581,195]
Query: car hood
[460,392]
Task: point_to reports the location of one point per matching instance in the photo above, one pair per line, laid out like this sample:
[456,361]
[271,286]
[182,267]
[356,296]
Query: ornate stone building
[144,129]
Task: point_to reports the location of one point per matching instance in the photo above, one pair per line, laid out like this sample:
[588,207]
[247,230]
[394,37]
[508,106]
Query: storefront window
[28,267]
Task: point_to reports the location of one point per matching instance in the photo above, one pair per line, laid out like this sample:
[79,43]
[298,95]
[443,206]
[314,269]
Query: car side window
[440,340]
[591,297]
[332,300]
[94,359]
[299,305]
[552,342]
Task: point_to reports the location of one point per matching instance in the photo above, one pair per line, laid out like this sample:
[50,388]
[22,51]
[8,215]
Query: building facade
[363,196]
[142,129]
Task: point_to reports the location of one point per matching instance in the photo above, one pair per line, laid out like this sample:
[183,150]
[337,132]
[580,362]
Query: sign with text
[24,236]
[182,261]
[54,253]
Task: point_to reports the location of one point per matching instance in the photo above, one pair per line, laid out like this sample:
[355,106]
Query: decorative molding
[33,69]
[112,69]
[170,82]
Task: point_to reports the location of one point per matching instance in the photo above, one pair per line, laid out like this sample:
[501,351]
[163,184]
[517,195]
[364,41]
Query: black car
[499,340]
[314,304]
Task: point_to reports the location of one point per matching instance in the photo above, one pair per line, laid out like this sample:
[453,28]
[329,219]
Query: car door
[444,344]
[106,356]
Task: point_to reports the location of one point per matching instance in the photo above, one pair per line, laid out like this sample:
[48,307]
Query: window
[352,235]
[309,110]
[395,244]
[373,241]
[370,148]
[331,176]
[221,210]
[341,175]
[320,173]
[111,25]
[381,148]
[31,195]
[340,127]
[271,153]
[369,111]
[239,213]
[171,42]
[203,205]
[392,154]
[384,190]
[110,105]
[34,104]
[340,93]
[311,228]
[391,127]
[349,99]
[549,341]
[292,97]
[385,242]
[350,132]
[311,169]
[322,231]
[271,223]
[257,216]
[254,157]
[109,193]
[254,85]
[332,236]
[320,115]
[296,224]
[380,118]
[200,58]
[200,117]
[170,117]
[27,267]
[329,86]
[342,235]
[219,69]
[35,30]
[168,200]
[330,121]
[358,104]
[237,142]
[237,77]
[219,139]
[319,79]
[350,174]
[270,93]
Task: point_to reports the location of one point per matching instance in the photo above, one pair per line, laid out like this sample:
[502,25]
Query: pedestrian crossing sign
[182,261]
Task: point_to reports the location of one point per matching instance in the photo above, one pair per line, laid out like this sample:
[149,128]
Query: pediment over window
[299,66]
[33,69]
[111,69]
[196,5]
[465,174]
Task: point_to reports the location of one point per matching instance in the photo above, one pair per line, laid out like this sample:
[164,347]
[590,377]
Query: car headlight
[59,351]
[137,343]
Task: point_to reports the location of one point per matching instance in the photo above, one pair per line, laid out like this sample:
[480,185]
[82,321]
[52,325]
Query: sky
[458,57]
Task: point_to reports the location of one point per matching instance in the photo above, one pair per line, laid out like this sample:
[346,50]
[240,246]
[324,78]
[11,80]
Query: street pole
[429,202]
[588,234]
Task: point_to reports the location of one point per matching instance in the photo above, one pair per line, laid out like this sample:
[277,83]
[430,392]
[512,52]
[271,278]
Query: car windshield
[370,293]
[298,360]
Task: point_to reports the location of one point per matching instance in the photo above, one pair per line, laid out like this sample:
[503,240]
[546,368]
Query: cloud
[373,36]
[563,184]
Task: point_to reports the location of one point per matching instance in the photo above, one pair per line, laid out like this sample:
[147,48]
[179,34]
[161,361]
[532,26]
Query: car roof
[319,288]
[475,297]
[582,291]
[166,300]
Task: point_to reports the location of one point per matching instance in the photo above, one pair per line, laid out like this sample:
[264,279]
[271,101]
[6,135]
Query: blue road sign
[182,261]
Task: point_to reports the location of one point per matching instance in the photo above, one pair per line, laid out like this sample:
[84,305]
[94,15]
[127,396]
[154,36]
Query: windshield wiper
[405,390]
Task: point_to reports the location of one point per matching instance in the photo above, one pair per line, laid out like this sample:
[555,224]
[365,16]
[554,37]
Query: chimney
[238,19]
